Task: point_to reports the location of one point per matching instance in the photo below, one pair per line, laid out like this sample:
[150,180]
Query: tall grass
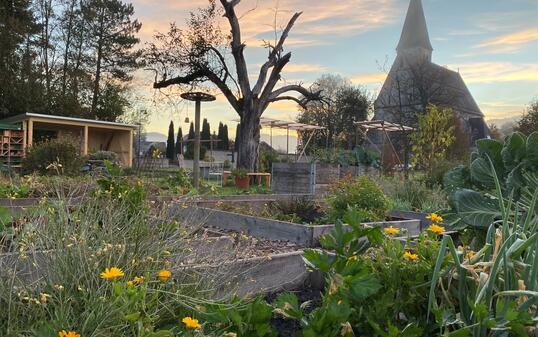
[49,277]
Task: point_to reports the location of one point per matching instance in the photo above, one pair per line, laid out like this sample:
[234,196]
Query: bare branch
[200,75]
[273,55]
[237,45]
[301,102]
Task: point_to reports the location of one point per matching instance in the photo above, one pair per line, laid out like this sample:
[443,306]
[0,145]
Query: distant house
[92,135]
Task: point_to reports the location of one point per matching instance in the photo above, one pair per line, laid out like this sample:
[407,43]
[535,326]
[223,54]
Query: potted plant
[241,178]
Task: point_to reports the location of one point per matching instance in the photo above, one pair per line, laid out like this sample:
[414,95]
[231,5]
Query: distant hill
[156,137]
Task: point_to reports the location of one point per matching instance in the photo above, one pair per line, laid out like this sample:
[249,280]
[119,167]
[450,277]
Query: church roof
[415,32]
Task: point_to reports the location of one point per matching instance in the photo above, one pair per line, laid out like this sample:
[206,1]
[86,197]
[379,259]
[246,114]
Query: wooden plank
[253,226]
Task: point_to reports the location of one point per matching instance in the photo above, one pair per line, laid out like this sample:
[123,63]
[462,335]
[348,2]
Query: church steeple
[415,38]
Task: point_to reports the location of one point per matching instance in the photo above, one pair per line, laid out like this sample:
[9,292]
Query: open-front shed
[92,135]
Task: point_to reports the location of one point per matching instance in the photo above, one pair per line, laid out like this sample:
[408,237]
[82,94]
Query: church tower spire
[415,40]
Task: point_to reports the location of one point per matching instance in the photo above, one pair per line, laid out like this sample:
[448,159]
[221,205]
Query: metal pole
[196,159]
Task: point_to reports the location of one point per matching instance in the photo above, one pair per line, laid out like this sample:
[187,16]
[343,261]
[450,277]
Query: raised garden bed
[306,235]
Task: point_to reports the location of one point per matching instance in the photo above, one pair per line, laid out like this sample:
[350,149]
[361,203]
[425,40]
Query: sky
[492,43]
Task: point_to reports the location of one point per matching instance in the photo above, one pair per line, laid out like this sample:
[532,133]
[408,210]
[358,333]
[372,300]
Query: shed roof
[25,116]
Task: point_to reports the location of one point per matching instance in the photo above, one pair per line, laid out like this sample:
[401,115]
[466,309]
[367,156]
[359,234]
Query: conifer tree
[170,147]
[179,142]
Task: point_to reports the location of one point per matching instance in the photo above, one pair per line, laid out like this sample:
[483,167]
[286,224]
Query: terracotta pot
[242,183]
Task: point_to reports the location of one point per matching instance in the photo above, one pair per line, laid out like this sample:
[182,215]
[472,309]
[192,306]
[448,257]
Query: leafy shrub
[373,286]
[104,155]
[358,156]
[414,195]
[267,157]
[512,165]
[54,156]
[180,182]
[239,173]
[114,188]
[297,209]
[362,194]
[189,154]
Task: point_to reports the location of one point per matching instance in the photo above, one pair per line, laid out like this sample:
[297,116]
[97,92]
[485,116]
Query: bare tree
[201,54]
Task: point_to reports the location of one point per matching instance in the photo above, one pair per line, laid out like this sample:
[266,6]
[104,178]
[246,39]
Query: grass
[51,282]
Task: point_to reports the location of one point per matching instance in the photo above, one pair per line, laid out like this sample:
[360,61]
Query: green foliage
[362,194]
[349,104]
[104,155]
[433,138]
[301,209]
[512,165]
[189,154]
[112,187]
[413,194]
[170,145]
[180,183]
[358,156]
[502,297]
[372,288]
[54,156]
[239,173]
[267,156]
[245,319]
[529,122]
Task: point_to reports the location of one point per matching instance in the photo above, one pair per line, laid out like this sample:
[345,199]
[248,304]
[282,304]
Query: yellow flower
[435,218]
[64,333]
[191,323]
[112,273]
[436,229]
[391,230]
[410,256]
[164,275]
[470,253]
[138,279]
[130,283]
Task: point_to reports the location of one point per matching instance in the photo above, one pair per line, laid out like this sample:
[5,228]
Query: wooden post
[24,136]
[85,141]
[30,139]
[131,136]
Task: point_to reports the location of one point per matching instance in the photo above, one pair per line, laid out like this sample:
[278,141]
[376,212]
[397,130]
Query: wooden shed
[92,135]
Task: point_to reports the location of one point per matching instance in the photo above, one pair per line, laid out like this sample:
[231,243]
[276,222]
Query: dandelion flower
[138,279]
[435,218]
[436,229]
[191,323]
[410,256]
[470,253]
[164,275]
[112,273]
[391,230]
[64,333]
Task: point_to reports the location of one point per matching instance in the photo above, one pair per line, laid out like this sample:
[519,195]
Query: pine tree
[170,147]
[112,36]
[179,141]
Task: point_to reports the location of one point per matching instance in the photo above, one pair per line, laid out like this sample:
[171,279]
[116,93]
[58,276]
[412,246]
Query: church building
[414,82]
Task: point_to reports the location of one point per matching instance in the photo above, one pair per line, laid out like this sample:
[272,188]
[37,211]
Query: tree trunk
[249,141]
